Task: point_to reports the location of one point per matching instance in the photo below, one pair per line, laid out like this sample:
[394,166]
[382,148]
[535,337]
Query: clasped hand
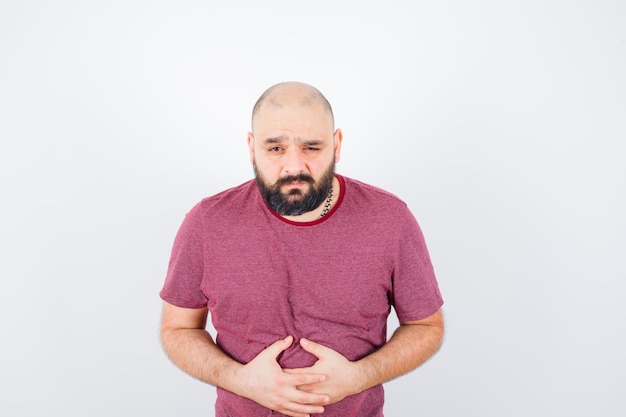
[298,392]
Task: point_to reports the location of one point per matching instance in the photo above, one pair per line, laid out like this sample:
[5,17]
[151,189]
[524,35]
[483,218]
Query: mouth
[295,184]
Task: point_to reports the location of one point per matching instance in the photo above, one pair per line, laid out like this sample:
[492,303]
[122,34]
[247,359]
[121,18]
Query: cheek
[323,165]
[267,170]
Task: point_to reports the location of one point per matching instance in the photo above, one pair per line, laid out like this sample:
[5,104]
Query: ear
[251,146]
[337,139]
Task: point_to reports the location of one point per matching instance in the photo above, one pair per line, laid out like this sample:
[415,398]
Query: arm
[410,346]
[192,349]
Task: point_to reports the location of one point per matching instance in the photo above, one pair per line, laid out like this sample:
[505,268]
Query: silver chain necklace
[329,200]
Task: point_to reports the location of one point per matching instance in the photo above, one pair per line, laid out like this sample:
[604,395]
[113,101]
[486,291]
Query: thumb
[278,346]
[312,347]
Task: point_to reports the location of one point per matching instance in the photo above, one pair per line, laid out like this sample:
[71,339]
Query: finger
[310,402]
[278,346]
[304,376]
[312,347]
[293,413]
[297,371]
[299,410]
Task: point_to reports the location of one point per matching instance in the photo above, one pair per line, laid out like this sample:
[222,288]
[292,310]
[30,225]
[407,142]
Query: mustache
[294,178]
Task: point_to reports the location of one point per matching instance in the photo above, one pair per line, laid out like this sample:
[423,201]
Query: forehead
[306,119]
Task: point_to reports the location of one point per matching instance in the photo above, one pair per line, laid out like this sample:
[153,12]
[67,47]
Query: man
[299,270]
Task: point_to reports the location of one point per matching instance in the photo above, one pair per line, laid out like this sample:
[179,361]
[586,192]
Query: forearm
[410,346]
[195,352]
[261,380]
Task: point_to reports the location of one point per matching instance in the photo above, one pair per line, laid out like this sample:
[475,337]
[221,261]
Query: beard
[295,202]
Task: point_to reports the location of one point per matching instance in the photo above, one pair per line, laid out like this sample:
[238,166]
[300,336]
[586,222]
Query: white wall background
[502,124]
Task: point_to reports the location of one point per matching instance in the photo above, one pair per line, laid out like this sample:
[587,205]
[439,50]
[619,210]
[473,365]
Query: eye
[275,149]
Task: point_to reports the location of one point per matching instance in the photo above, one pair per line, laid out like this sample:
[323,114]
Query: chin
[294,197]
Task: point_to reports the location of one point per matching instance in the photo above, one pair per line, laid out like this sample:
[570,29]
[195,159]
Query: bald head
[291,93]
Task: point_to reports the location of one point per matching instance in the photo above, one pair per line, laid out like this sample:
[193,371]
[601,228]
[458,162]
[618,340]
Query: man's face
[294,150]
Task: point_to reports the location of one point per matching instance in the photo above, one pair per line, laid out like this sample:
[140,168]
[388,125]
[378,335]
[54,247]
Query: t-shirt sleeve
[416,292]
[186,265]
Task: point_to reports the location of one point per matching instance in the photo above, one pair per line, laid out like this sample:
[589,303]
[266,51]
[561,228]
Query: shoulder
[372,211]
[363,193]
[226,201]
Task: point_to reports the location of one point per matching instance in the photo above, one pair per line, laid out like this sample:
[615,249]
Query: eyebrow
[282,139]
[278,139]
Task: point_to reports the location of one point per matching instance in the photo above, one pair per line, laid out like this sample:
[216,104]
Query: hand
[265,382]
[341,374]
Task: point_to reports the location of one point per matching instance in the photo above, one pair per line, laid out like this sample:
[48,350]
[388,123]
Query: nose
[294,163]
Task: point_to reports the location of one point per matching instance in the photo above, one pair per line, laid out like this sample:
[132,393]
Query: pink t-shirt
[332,280]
